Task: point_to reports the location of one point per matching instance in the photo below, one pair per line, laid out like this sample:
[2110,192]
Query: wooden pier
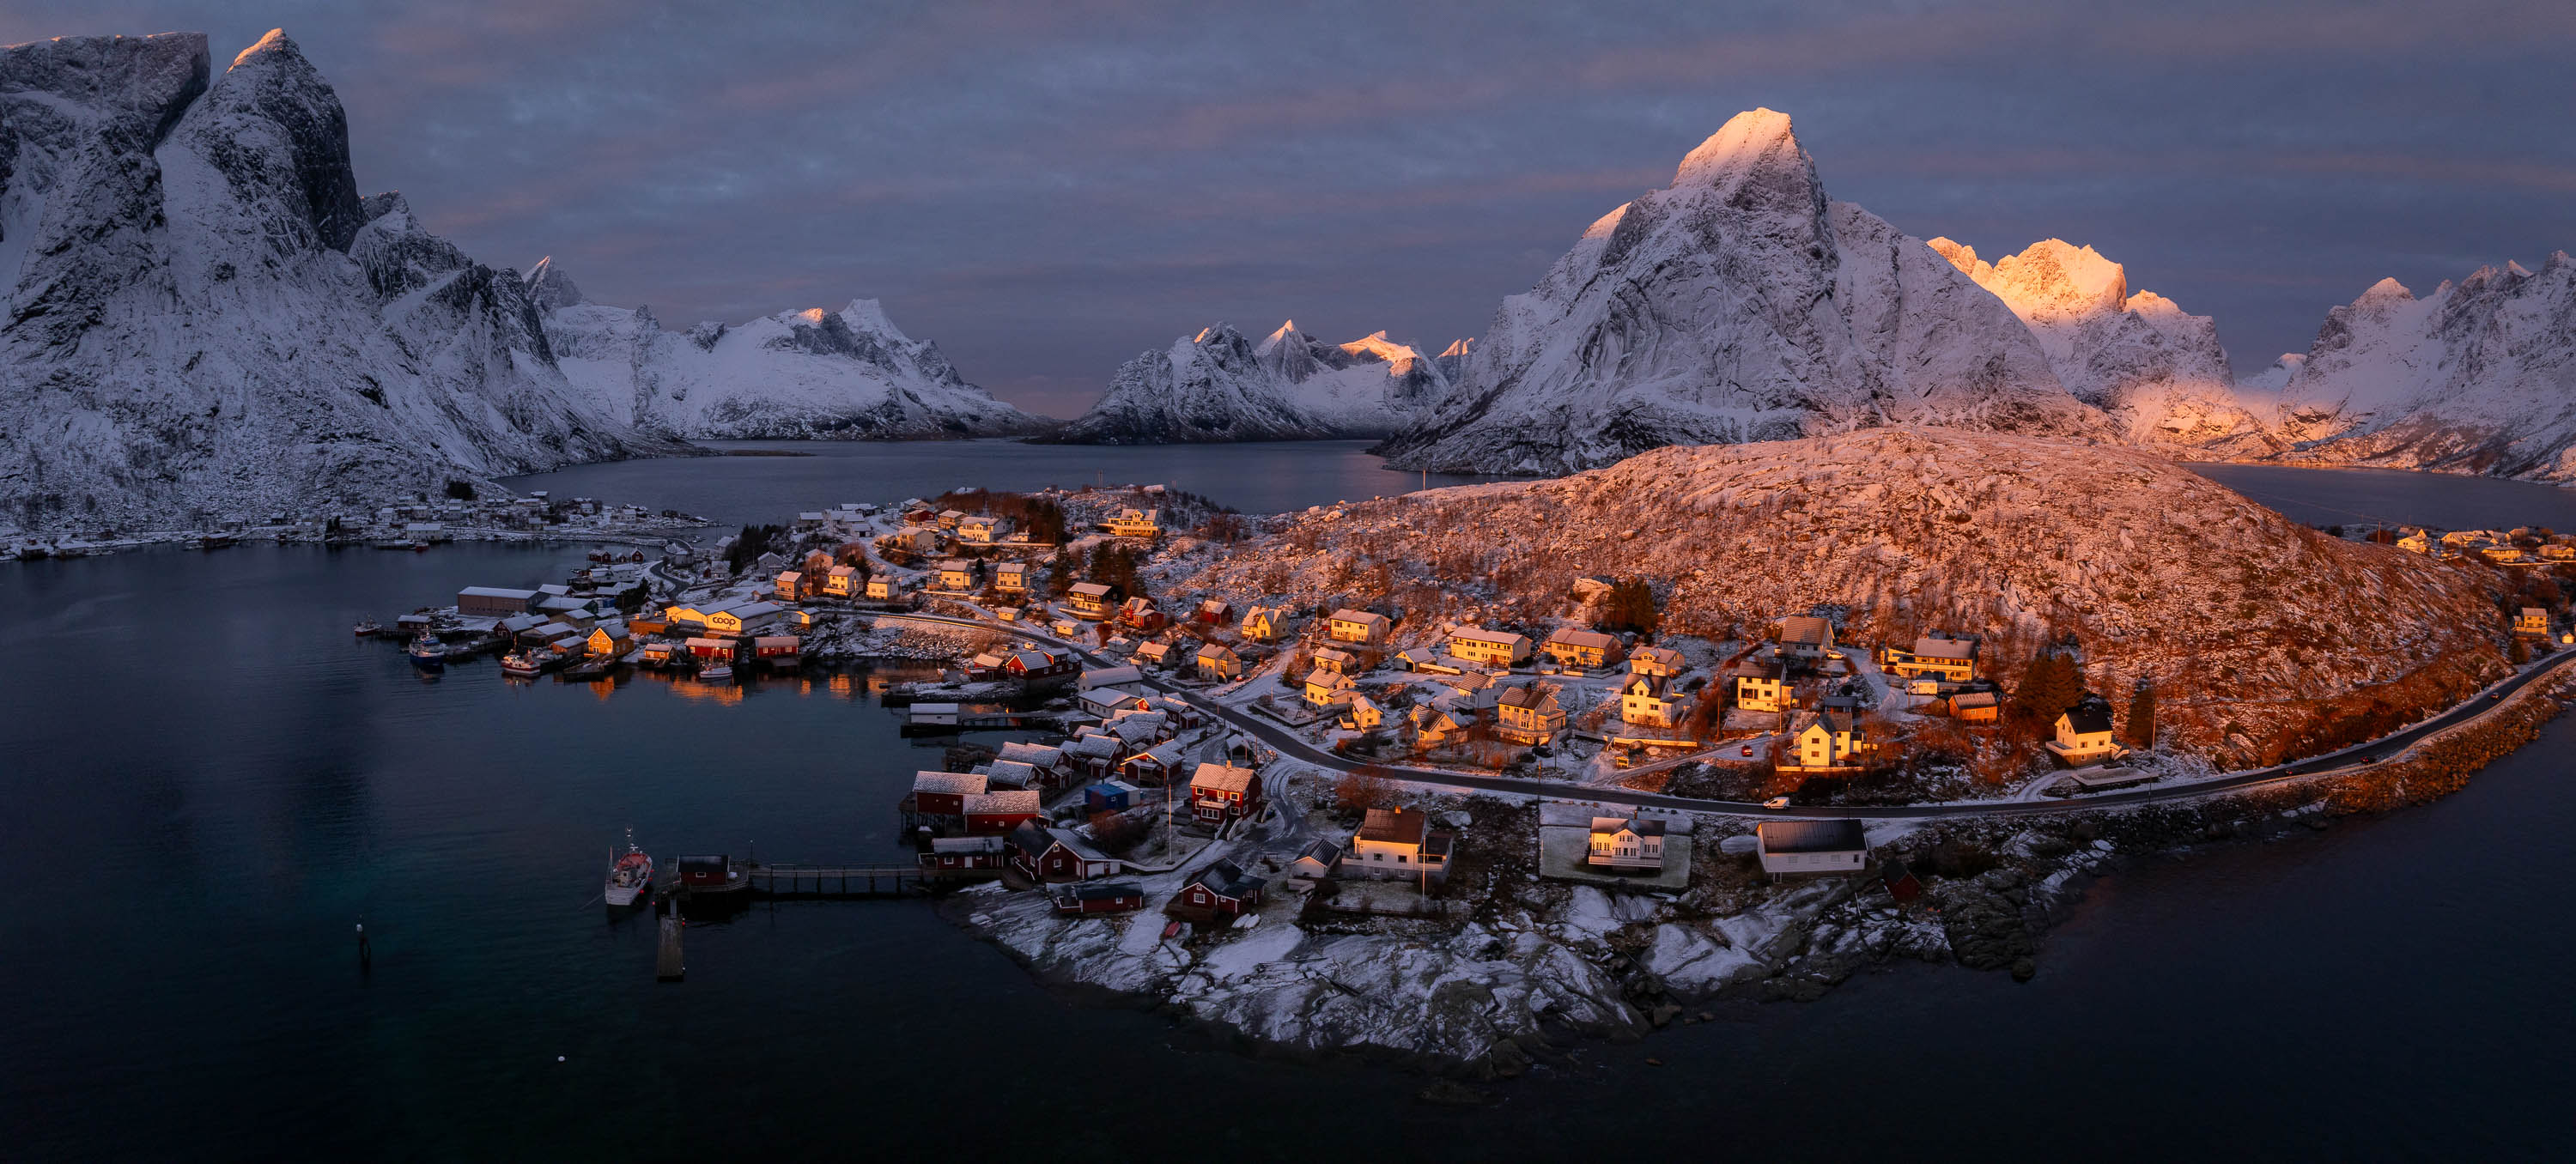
[667,963]
[834,881]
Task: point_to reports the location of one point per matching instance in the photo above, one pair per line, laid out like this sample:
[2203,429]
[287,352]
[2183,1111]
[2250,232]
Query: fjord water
[209,783]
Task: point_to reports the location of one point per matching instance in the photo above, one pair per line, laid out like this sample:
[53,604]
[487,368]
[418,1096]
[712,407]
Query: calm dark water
[2389,496]
[1253,478]
[209,783]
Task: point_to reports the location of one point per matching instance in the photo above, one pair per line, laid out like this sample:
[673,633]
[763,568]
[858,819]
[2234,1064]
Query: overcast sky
[1047,188]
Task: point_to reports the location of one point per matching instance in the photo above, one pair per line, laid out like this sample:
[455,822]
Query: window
[1399,858]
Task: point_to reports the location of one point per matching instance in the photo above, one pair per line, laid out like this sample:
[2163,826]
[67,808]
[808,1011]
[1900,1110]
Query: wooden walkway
[834,881]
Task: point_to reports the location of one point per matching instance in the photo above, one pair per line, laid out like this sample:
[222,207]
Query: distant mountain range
[1741,303]
[200,316]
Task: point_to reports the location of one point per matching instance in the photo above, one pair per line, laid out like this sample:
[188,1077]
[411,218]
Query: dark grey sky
[1047,188]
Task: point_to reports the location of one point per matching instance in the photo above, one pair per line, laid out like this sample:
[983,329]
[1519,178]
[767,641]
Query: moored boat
[520,666]
[427,653]
[630,874]
[716,673]
[368,628]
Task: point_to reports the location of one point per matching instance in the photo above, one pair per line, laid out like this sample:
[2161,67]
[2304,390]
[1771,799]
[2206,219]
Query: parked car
[1776,802]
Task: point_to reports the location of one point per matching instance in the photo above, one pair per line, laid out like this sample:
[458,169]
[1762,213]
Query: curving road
[2359,755]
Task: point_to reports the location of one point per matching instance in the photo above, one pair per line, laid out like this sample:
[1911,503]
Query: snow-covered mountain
[1737,304]
[199,314]
[1216,386]
[2159,372]
[2477,377]
[811,373]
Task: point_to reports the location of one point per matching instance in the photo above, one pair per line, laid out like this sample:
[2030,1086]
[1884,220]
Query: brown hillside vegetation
[2264,638]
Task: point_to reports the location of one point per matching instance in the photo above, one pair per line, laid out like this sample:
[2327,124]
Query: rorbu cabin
[1099,897]
[1223,890]
[706,872]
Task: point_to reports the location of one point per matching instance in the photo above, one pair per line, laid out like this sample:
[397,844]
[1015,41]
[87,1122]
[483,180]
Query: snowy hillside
[1216,386]
[2251,626]
[2159,372]
[200,316]
[2476,377]
[1738,304]
[811,373]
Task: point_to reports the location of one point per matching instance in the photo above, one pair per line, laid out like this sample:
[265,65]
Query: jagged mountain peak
[2051,277]
[2384,292]
[1458,347]
[549,288]
[1752,145]
[271,90]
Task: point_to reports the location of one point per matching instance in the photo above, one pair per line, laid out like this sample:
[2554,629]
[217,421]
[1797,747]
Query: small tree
[460,490]
[2140,731]
[2050,685]
[1363,788]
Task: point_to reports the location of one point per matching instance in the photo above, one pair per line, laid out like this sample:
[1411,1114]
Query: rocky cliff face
[1738,304]
[2476,377]
[1217,386]
[200,316]
[849,374]
[2157,371]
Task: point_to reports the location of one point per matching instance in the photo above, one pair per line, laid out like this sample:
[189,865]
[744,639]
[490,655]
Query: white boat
[630,874]
[720,673]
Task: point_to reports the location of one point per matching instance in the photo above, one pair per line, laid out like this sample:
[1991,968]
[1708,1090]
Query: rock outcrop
[199,315]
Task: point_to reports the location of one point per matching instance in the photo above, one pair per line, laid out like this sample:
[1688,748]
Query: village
[1198,772]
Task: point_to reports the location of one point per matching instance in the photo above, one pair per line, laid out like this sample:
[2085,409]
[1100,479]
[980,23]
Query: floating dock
[667,963]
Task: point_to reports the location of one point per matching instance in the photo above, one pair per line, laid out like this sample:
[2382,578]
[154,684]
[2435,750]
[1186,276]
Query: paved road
[2358,756]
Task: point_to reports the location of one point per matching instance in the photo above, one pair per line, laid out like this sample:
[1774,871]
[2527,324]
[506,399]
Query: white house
[2084,732]
[1796,847]
[1398,844]
[1626,843]
[1358,626]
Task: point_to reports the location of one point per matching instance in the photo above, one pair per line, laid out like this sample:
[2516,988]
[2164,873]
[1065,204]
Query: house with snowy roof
[1398,844]
[1576,650]
[1089,599]
[1326,687]
[1625,842]
[1648,701]
[1219,662]
[1487,648]
[1805,638]
[2084,732]
[1529,714]
[1221,792]
[1662,662]
[1268,624]
[1358,626]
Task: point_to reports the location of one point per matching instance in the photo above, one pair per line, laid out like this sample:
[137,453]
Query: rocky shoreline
[1538,968]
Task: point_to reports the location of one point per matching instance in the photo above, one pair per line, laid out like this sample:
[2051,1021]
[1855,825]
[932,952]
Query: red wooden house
[1140,614]
[1223,890]
[1000,812]
[944,793]
[1221,792]
[951,857]
[1100,897]
[1045,854]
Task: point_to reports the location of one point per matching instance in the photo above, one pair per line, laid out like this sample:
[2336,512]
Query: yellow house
[1357,626]
[1660,662]
[2084,731]
[1489,648]
[2558,552]
[684,616]
[2532,621]
[884,586]
[1590,650]
[841,582]
[956,574]
[1266,624]
[1646,700]
[1089,599]
[980,529]
[1326,688]
[1438,723]
[604,641]
[1012,576]
[1134,523]
[1364,714]
[1935,656]
[1829,738]
[2503,553]
[1763,686]
[1529,715]
[1336,661]
[793,586]
[1218,661]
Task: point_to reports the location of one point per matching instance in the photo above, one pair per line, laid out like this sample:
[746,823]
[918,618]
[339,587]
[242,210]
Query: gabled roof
[966,845]
[1034,755]
[1665,656]
[1639,825]
[1322,853]
[1946,647]
[1006,801]
[1360,616]
[963,783]
[1395,826]
[2090,715]
[1539,697]
[1216,651]
[1226,879]
[1091,589]
[1576,636]
[1806,630]
[1812,836]
[1223,778]
[1477,634]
